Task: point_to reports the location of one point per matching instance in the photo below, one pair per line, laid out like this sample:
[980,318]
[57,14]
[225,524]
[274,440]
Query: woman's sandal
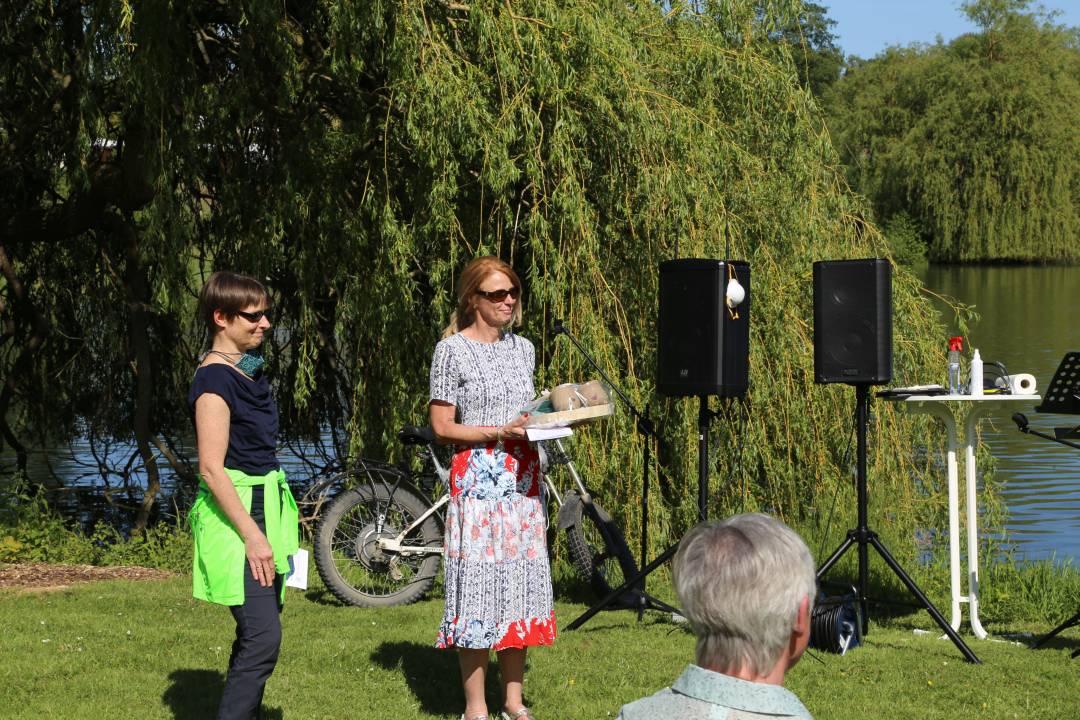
[522,714]
[476,717]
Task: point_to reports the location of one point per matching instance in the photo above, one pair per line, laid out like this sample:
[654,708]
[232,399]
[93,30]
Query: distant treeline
[969,151]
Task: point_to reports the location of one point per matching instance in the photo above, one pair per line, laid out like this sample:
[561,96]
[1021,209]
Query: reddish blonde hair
[469,282]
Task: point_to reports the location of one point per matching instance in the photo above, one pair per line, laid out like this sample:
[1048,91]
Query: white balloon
[735,294]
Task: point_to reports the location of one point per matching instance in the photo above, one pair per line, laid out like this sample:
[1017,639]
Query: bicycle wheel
[353,567]
[605,567]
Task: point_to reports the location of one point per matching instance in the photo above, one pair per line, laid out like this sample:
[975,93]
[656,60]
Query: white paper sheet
[298,570]
[535,433]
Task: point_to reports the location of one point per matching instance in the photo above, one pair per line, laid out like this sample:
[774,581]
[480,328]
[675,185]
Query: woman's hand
[260,557]
[515,429]
[448,430]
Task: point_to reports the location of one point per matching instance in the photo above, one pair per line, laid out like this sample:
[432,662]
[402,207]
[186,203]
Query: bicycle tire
[350,565]
[604,568]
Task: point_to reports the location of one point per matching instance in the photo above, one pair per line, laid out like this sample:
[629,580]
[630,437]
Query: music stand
[1061,397]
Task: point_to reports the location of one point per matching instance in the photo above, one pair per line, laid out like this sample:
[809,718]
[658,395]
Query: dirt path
[42,576]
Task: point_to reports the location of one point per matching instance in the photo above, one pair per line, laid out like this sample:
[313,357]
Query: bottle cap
[956,343]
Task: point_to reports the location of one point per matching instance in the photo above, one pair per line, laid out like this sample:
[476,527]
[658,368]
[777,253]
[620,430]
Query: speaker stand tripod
[639,599]
[704,416]
[862,537]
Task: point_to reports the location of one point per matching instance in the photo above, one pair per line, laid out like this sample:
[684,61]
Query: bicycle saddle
[413,435]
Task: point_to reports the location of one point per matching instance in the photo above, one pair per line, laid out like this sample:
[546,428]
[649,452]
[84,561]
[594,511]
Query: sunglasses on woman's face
[255,316]
[497,296]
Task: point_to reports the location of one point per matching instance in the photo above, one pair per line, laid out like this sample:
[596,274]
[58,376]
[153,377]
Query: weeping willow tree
[975,140]
[356,155]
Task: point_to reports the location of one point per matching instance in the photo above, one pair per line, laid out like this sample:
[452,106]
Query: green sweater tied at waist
[220,555]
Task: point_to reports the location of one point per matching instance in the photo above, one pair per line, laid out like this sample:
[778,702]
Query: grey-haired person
[747,587]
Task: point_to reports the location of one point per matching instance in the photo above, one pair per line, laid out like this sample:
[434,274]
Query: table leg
[944,414]
[970,438]
[954,527]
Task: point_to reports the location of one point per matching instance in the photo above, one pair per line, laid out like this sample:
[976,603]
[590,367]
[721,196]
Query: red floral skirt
[498,578]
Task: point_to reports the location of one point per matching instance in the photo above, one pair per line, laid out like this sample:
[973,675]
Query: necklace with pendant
[251,364]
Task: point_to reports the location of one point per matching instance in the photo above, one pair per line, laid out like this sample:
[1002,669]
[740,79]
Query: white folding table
[942,407]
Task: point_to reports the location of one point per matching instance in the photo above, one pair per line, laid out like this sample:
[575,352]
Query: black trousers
[258,638]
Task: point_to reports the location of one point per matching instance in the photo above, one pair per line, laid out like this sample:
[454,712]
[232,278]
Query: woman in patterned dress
[498,581]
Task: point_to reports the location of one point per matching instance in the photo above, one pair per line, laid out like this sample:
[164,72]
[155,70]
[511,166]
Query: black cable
[736,467]
[1002,372]
[836,494]
[834,626]
[743,417]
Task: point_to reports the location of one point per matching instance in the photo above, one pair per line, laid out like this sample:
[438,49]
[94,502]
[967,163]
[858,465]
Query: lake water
[1029,320]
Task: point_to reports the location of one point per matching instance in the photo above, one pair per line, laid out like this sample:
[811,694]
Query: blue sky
[866,27]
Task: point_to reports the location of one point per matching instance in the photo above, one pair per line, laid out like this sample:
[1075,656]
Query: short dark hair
[228,292]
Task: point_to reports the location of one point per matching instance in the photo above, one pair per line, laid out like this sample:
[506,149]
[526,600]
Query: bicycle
[379,542]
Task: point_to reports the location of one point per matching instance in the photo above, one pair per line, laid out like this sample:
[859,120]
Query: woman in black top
[244,520]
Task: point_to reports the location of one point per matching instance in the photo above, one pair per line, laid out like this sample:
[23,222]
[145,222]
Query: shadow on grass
[1066,640]
[322,596]
[889,602]
[194,695]
[433,676]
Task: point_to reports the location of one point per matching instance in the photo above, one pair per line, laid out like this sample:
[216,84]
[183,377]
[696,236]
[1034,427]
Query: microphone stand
[1022,425]
[647,430]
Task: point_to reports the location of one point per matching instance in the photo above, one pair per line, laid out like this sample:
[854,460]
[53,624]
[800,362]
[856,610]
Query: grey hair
[741,582]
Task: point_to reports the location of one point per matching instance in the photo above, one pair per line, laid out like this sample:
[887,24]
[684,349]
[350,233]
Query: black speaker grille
[702,348]
[853,321]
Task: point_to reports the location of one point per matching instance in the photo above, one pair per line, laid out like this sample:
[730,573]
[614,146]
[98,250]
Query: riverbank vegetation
[354,154]
[973,141]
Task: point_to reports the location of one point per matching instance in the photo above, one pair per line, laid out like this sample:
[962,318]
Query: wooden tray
[570,418]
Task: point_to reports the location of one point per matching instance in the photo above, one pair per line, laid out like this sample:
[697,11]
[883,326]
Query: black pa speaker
[703,343]
[853,321]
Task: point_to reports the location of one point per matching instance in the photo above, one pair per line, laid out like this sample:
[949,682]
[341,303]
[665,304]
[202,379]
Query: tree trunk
[20,305]
[137,286]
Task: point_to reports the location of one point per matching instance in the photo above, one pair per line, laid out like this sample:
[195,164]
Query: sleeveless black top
[253,416]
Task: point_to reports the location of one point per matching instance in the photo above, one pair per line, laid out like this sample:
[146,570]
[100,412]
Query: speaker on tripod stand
[703,341]
[853,345]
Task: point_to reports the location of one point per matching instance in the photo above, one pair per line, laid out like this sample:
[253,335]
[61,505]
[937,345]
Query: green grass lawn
[148,650]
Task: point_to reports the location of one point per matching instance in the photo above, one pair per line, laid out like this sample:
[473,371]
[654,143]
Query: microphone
[1021,421]
[557,327]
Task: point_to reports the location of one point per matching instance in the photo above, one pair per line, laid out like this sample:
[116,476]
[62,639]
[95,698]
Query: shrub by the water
[32,531]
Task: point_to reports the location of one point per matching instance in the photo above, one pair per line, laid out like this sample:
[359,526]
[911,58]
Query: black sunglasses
[499,295]
[257,315]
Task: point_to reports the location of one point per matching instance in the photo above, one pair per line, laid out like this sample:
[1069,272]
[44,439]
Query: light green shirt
[700,694]
[220,555]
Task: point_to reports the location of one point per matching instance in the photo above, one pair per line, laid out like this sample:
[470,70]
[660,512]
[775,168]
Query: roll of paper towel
[1022,384]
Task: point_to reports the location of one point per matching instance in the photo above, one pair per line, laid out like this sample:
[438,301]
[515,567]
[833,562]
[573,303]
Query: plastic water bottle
[975,375]
[956,345]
